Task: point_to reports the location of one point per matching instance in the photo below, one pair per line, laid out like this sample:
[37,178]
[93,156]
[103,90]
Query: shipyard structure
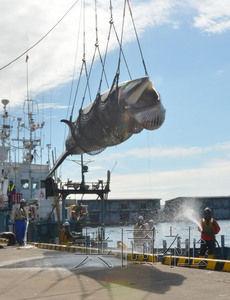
[120,211]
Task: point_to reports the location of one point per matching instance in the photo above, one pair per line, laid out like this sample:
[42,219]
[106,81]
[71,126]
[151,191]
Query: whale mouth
[148,110]
[151,118]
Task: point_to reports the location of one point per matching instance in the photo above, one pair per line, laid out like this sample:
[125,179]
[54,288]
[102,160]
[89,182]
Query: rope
[76,92]
[84,60]
[88,76]
[139,45]
[105,56]
[97,46]
[74,68]
[41,39]
[121,50]
[121,40]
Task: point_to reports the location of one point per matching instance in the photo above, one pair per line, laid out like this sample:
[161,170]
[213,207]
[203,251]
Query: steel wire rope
[76,92]
[84,60]
[106,50]
[116,78]
[138,41]
[86,74]
[102,62]
[41,39]
[82,65]
[119,42]
[72,81]
[143,62]
[117,75]
[74,68]
[121,38]
[91,66]
[90,70]
[87,85]
[97,46]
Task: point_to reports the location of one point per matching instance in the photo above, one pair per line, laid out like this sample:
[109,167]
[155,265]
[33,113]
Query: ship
[22,176]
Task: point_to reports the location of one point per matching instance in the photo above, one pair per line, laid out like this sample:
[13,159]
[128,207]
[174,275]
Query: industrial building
[121,211]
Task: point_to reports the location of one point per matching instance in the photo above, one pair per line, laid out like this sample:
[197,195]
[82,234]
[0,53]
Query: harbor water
[164,231]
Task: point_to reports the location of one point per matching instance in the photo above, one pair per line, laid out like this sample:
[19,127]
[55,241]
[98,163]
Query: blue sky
[186,48]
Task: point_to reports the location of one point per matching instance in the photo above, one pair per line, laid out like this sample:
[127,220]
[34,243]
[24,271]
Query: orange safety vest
[209,229]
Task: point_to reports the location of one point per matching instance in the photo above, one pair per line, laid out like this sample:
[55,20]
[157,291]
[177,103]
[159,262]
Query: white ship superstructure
[19,157]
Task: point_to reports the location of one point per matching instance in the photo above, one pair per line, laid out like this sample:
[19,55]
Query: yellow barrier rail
[197,262]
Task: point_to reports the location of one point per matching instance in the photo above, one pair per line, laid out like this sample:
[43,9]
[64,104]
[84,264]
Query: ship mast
[5,130]
[4,135]
[29,141]
[33,142]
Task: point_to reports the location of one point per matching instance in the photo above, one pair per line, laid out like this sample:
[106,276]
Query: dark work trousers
[207,246]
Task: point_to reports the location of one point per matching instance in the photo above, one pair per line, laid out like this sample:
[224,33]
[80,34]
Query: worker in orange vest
[208,228]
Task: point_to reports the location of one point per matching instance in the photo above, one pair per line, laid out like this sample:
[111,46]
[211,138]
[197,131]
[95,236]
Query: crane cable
[41,39]
[138,41]
[84,61]
[121,39]
[97,46]
[106,49]
[83,65]
[115,31]
[74,68]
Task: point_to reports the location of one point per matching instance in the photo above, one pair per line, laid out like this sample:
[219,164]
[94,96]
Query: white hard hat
[22,201]
[66,223]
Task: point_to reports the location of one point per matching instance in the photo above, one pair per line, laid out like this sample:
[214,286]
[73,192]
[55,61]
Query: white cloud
[209,180]
[169,152]
[22,23]
[212,15]
[51,105]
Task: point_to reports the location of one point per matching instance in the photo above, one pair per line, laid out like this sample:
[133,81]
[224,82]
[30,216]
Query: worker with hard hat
[20,219]
[149,235]
[66,237]
[208,228]
[139,234]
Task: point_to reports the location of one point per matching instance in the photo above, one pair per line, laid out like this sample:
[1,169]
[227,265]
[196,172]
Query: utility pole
[84,169]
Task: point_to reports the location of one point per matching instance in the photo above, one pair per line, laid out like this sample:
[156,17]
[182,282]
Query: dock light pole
[84,169]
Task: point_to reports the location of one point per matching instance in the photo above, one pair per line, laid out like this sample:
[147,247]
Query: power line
[41,39]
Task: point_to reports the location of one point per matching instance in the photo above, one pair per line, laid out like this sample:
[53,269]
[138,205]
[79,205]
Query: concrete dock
[32,273]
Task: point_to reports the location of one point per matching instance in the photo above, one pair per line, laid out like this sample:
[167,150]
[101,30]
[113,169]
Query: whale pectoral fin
[58,163]
[69,123]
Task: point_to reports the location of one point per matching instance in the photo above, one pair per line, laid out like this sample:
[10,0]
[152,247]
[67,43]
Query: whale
[113,117]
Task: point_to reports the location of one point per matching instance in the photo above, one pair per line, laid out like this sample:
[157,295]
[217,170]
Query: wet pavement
[31,273]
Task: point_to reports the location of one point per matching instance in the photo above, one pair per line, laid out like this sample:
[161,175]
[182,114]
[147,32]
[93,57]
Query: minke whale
[113,117]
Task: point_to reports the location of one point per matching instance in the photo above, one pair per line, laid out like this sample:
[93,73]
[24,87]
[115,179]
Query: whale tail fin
[58,162]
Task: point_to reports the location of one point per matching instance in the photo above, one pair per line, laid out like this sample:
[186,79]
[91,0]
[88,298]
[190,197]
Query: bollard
[194,247]
[179,242]
[164,245]
[187,246]
[222,245]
